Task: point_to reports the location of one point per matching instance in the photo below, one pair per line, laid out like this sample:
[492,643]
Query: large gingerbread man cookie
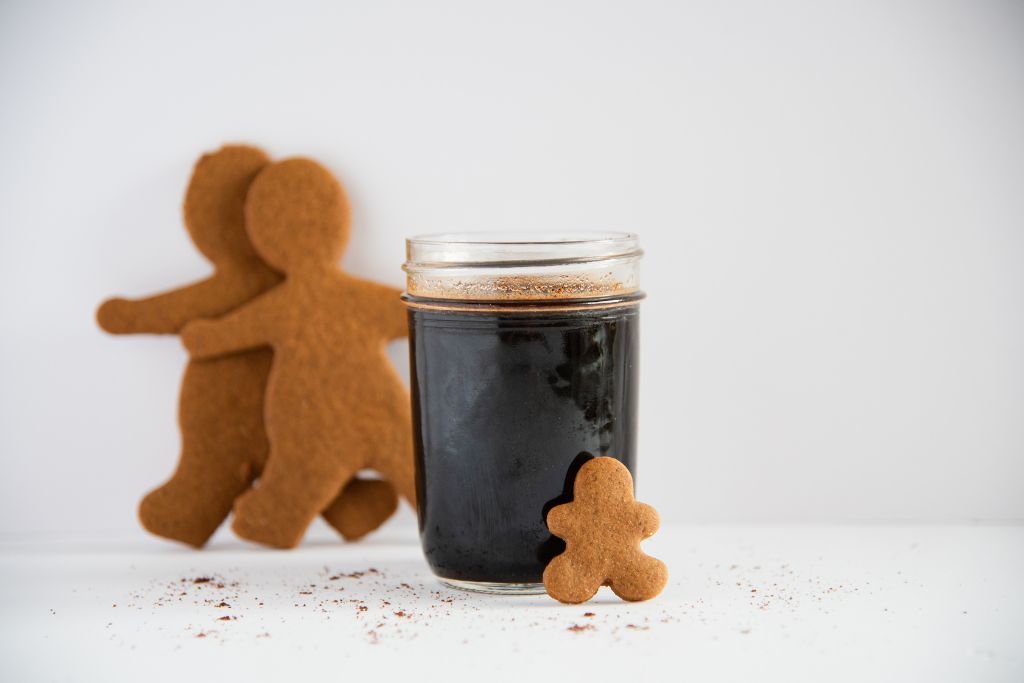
[224,444]
[602,528]
[335,404]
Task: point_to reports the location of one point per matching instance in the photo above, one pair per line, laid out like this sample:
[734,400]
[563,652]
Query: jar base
[494,588]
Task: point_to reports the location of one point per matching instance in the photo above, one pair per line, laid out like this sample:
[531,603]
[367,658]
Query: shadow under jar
[523,351]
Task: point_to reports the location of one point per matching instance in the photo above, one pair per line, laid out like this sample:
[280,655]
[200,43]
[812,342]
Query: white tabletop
[787,603]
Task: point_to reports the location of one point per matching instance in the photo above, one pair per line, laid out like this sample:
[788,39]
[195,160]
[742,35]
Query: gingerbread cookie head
[215,199]
[602,528]
[297,216]
[605,481]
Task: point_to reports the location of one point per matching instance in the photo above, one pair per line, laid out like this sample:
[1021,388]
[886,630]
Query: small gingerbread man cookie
[602,528]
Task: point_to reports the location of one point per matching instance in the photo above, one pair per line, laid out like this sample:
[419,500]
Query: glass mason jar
[523,352]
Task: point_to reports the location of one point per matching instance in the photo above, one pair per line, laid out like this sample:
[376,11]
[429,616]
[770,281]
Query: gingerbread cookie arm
[388,310]
[248,327]
[164,313]
[646,519]
[558,520]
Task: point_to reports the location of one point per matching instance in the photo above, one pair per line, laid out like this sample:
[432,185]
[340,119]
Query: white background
[830,194]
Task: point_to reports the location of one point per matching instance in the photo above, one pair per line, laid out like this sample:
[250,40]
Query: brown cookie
[602,528]
[224,445]
[335,404]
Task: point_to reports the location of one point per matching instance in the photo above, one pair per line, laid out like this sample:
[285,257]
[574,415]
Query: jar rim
[524,247]
[522,237]
[522,265]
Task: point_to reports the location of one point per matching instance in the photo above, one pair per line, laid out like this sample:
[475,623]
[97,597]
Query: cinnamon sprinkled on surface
[389,607]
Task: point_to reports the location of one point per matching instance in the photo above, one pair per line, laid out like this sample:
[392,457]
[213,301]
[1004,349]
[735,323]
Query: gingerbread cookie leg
[362,506]
[366,504]
[292,491]
[394,460]
[223,447]
[572,582]
[641,578]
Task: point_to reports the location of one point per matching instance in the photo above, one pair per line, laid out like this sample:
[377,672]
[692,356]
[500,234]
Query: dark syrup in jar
[507,406]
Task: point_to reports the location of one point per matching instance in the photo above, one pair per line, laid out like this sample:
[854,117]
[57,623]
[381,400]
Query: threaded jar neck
[522,266]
